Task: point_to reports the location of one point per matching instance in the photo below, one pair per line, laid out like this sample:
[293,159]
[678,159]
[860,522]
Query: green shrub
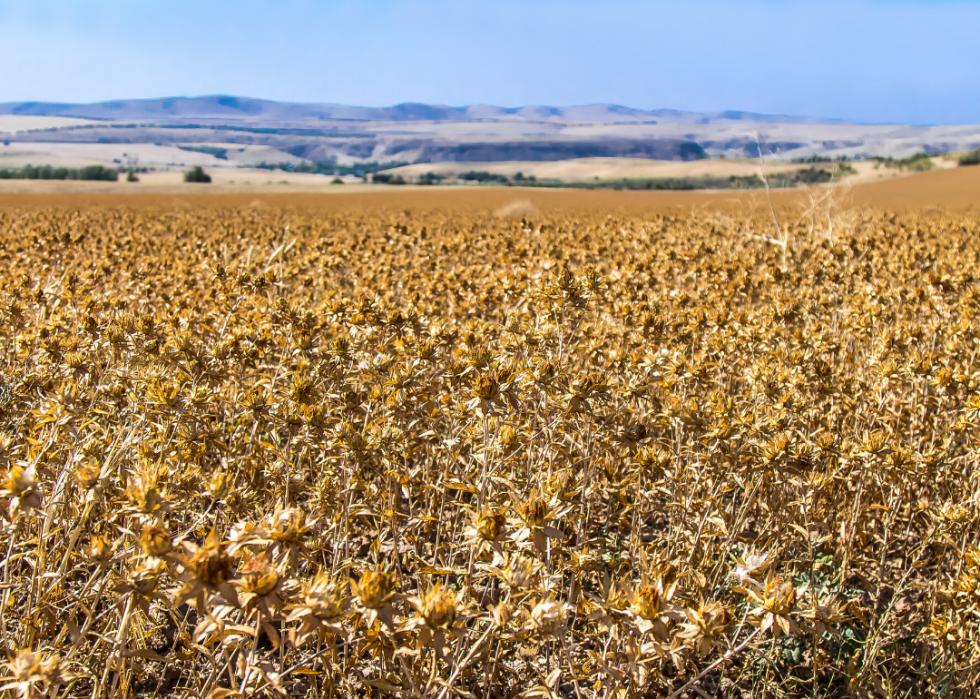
[336,180]
[46,172]
[971,158]
[813,159]
[131,176]
[330,167]
[794,178]
[482,176]
[219,153]
[196,174]
[920,162]
[94,172]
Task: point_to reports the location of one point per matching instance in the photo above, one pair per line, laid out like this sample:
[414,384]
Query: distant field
[957,188]
[12,123]
[415,133]
[229,177]
[223,180]
[954,189]
[586,169]
[18,154]
[582,169]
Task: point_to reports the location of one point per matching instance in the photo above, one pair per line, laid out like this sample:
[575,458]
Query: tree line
[47,172]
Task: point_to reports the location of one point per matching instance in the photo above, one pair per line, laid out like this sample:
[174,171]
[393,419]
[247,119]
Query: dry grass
[957,188]
[952,189]
[253,450]
[162,157]
[12,123]
[587,169]
[518,207]
[581,169]
[224,180]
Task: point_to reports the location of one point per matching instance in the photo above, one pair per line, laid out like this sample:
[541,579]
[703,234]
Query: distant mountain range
[226,108]
[422,133]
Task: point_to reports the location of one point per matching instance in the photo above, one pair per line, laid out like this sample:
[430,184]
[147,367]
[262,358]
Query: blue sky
[874,61]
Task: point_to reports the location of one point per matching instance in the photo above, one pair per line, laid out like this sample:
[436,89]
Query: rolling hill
[224,107]
[420,133]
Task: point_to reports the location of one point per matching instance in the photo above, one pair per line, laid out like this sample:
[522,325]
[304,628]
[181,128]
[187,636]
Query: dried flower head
[31,672]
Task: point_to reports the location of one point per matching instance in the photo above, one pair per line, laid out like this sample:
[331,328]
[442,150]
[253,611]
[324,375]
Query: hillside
[277,132]
[247,109]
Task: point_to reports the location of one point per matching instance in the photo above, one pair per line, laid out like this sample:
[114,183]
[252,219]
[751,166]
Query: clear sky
[875,61]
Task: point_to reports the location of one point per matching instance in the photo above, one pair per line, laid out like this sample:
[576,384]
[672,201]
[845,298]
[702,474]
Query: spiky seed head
[210,564]
[220,484]
[145,577]
[155,541]
[259,576]
[374,588]
[548,617]
[649,603]
[100,549]
[86,474]
[501,614]
[439,608]
[779,596]
[491,526]
[19,481]
[323,597]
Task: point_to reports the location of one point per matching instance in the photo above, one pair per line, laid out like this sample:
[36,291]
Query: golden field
[230,180]
[493,443]
[946,189]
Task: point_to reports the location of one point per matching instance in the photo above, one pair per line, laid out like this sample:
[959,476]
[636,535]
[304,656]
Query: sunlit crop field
[580,452]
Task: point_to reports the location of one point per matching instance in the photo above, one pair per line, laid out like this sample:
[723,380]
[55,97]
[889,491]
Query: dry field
[582,169]
[958,187]
[946,189]
[14,123]
[162,157]
[453,443]
[718,137]
[585,169]
[224,180]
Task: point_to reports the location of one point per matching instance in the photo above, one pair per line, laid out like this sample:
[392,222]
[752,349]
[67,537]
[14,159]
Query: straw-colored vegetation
[255,452]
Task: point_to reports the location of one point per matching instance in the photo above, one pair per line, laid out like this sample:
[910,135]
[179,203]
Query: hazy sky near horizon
[911,61]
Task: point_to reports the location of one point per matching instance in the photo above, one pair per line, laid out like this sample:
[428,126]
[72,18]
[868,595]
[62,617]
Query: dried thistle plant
[613,454]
